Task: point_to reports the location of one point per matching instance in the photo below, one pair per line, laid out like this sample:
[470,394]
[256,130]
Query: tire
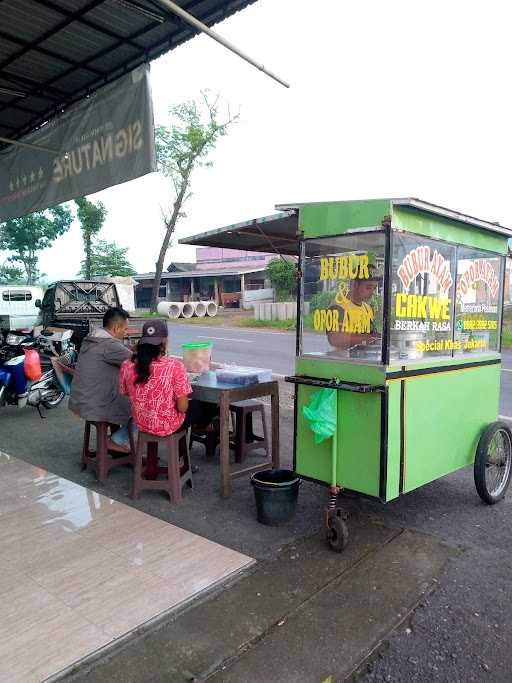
[53,403]
[493,463]
[337,533]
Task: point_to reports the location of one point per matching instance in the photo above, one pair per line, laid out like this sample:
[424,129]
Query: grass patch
[266,324]
[275,324]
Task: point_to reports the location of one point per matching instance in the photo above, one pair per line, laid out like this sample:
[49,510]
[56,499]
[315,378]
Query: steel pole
[176,9]
[39,148]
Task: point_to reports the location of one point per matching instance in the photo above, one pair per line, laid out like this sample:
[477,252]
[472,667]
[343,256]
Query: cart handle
[333,384]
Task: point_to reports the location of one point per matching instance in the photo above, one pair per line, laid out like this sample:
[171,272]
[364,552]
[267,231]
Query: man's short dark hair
[113,316]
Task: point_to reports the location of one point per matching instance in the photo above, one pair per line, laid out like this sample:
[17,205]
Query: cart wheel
[337,533]
[493,463]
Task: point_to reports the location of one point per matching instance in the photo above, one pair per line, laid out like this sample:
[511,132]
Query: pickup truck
[79,305]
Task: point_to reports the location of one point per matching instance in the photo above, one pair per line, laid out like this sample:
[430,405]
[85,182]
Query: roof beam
[44,51]
[22,107]
[21,82]
[72,16]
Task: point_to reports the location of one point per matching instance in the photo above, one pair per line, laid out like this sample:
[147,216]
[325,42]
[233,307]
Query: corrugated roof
[202,273]
[55,52]
[270,234]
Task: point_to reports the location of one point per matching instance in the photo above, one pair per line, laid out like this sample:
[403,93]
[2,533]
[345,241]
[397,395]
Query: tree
[180,149]
[10,275]
[107,259]
[282,276]
[91,217]
[27,236]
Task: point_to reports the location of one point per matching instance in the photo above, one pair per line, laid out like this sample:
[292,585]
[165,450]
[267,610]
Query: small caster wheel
[337,532]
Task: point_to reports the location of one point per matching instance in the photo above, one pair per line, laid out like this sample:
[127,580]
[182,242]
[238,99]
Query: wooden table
[206,388]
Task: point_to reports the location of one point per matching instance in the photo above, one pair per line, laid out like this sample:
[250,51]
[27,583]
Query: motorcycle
[47,391]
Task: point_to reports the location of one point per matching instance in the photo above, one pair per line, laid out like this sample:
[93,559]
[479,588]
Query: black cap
[154,332]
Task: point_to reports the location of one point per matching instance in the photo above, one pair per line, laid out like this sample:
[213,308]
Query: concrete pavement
[304,613]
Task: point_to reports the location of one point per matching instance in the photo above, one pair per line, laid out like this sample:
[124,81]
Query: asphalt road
[276,350]
[257,348]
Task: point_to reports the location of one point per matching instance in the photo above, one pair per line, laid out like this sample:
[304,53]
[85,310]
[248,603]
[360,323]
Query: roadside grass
[266,324]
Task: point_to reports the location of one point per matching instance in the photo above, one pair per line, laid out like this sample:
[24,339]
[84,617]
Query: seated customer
[156,384]
[95,388]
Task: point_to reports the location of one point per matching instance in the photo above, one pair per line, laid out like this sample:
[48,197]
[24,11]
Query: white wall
[253,296]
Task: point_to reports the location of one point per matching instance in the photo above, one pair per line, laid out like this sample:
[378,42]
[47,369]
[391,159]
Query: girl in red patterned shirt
[156,385]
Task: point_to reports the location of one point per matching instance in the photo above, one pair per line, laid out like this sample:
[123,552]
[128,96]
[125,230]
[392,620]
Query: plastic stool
[100,459]
[174,444]
[245,440]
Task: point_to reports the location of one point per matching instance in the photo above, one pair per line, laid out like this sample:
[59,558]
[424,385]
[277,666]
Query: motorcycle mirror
[37,303]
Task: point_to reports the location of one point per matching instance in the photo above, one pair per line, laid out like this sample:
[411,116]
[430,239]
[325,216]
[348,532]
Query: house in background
[230,277]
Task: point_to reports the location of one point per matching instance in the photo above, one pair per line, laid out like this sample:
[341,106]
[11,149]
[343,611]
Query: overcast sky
[387,99]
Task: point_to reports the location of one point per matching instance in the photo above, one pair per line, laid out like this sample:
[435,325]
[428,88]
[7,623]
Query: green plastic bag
[321,414]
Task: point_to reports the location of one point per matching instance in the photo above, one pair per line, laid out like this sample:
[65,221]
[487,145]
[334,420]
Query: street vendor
[355,314]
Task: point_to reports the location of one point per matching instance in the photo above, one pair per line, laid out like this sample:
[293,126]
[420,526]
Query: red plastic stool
[175,446]
[100,459]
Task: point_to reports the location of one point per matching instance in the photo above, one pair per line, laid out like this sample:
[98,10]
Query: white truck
[17,307]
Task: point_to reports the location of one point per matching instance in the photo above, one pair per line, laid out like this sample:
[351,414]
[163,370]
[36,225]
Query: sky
[386,100]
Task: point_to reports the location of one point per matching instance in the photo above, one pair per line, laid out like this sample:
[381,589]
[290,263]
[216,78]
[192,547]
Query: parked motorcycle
[20,382]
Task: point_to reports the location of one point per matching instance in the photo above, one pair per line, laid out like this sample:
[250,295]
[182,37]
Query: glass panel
[343,297]
[17,295]
[422,291]
[478,301]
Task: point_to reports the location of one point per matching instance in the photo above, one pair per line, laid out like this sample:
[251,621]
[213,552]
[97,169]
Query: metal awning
[275,234]
[56,52]
[219,272]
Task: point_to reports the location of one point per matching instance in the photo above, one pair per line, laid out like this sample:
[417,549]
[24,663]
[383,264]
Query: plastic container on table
[197,356]
[235,374]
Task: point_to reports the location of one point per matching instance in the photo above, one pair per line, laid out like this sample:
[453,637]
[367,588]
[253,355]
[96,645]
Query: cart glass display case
[343,296]
[444,299]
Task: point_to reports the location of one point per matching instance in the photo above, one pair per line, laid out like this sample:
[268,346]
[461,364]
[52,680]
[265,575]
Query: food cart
[400,313]
[399,325]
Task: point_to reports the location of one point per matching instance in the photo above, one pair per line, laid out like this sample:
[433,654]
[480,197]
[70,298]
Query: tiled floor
[78,570]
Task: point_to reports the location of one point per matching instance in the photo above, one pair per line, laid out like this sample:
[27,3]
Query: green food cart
[397,375]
